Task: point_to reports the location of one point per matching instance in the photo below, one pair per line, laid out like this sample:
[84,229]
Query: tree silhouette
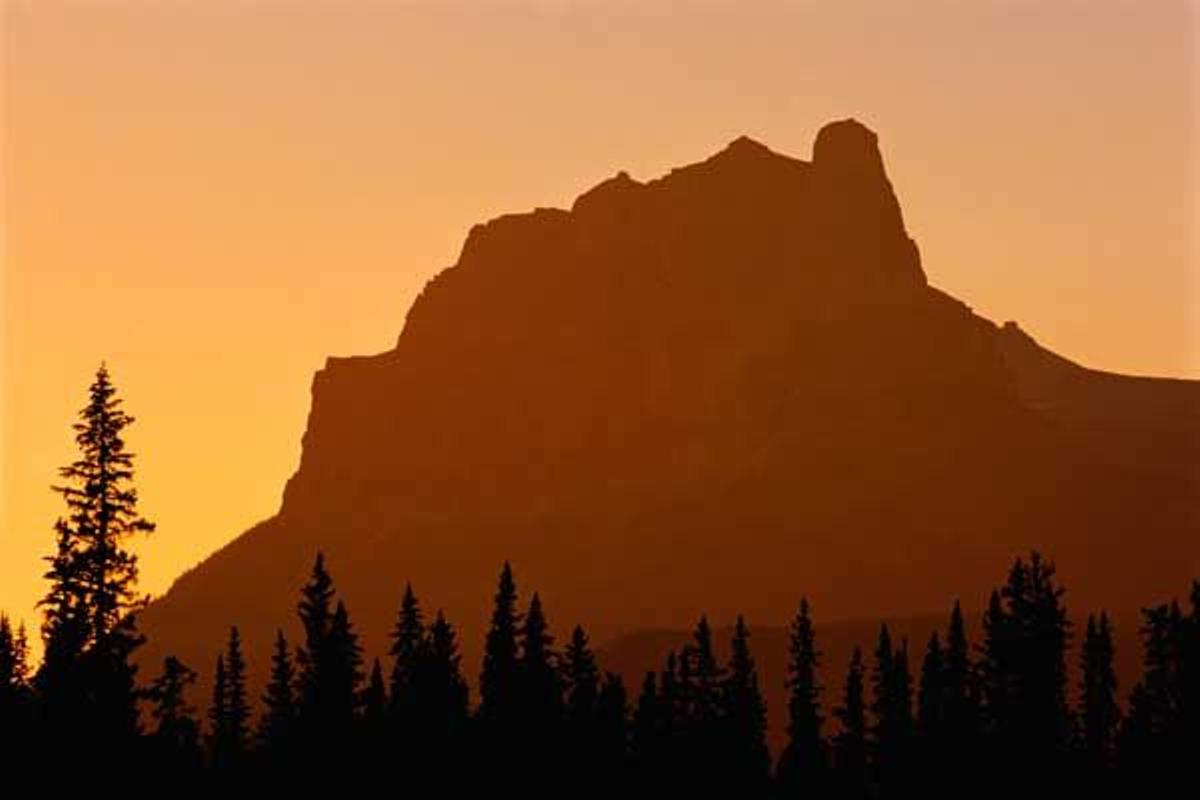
[442,688]
[1100,714]
[850,744]
[230,712]
[16,695]
[581,691]
[498,682]
[744,719]
[277,727]
[891,708]
[803,766]
[408,642]
[176,734]
[541,689]
[87,677]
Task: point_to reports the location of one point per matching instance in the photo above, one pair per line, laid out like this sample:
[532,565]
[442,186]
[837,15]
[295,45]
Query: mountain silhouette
[713,391]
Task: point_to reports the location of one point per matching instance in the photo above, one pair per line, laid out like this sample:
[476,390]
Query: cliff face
[712,391]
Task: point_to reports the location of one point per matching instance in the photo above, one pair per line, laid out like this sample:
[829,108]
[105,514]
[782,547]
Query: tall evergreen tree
[498,682]
[277,727]
[176,733]
[375,704]
[803,766]
[90,631]
[16,699]
[744,719]
[541,689]
[330,666]
[612,718]
[218,716]
[236,701]
[408,642]
[891,708]
[581,684]
[442,688]
[850,744]
[931,695]
[1100,714]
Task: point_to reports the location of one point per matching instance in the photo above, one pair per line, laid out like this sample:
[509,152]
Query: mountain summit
[714,391]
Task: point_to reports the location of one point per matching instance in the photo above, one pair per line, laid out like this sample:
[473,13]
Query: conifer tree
[959,702]
[442,688]
[375,703]
[646,740]
[850,744]
[612,719]
[277,727]
[218,716]
[176,734]
[408,642]
[743,717]
[931,694]
[1100,714]
[90,633]
[237,705]
[498,682]
[581,680]
[16,699]
[541,688]
[803,766]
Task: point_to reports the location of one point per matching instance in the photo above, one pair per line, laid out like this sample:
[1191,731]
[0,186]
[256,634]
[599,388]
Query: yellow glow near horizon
[213,196]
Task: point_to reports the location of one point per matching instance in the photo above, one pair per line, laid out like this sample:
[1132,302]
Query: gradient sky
[214,195]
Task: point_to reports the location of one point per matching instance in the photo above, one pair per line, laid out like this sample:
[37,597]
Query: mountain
[713,391]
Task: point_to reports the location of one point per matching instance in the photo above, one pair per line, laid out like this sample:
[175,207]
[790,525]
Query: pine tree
[612,719]
[277,727]
[442,688]
[498,681]
[743,718]
[891,708]
[541,687]
[959,702]
[218,717]
[237,705]
[330,668]
[375,704]
[581,683]
[16,699]
[931,695]
[850,744]
[176,734]
[408,642]
[1100,714]
[90,633]
[803,766]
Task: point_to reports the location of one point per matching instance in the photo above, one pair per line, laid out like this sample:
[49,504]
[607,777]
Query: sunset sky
[215,195]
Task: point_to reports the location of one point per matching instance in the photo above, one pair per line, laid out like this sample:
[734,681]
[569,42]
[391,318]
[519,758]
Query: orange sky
[214,195]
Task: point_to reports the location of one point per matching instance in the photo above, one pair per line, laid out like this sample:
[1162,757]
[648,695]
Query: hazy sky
[214,195]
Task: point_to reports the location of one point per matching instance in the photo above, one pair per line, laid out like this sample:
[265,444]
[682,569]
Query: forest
[1009,713]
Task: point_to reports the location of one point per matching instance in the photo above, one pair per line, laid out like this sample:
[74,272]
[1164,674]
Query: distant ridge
[712,391]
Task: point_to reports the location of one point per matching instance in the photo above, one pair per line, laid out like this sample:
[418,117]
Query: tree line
[948,717]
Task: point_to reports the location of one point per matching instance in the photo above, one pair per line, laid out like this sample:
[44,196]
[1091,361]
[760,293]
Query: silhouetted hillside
[716,390]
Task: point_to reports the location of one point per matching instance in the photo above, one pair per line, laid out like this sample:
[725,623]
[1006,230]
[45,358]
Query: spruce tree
[612,720]
[176,734]
[581,684]
[375,704]
[931,695]
[850,744]
[16,698]
[237,705]
[743,719]
[277,727]
[90,633]
[1100,714]
[442,688]
[498,682]
[541,689]
[803,766]
[218,717]
[408,642]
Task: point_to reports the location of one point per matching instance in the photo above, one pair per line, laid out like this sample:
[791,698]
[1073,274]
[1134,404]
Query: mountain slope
[711,391]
